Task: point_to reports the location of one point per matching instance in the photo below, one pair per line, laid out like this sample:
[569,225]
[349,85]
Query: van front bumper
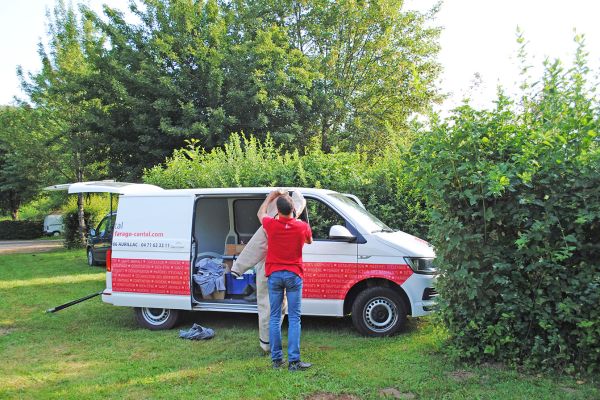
[420,289]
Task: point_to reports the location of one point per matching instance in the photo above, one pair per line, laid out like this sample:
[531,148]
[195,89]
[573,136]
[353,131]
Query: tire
[378,312]
[91,260]
[156,319]
[56,233]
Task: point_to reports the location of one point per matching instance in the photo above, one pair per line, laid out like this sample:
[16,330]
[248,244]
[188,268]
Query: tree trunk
[14,205]
[80,213]
[325,148]
[81,217]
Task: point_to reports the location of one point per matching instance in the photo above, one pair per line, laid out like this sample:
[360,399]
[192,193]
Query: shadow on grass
[309,323]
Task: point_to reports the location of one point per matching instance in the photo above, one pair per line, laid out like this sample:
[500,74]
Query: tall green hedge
[11,230]
[381,182]
[514,195]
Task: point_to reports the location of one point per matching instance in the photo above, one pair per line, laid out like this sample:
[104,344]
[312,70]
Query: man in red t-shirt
[286,236]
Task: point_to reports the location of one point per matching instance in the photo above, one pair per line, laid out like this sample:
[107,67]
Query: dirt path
[28,246]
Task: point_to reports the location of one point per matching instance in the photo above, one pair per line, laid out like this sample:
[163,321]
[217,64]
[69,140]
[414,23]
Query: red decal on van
[151,276]
[329,280]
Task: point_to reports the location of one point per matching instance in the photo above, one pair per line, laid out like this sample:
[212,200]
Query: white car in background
[53,225]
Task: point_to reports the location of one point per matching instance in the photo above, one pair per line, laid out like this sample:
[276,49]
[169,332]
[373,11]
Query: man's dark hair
[285,205]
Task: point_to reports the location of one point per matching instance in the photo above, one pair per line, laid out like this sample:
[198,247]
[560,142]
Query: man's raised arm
[262,211]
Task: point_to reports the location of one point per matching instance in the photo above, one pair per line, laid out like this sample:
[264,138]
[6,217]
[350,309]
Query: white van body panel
[323,308]
[150,262]
[404,243]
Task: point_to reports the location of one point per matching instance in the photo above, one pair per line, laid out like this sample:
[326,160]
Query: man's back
[285,237]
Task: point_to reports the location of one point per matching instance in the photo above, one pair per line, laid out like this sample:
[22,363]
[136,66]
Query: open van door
[149,266]
[105,187]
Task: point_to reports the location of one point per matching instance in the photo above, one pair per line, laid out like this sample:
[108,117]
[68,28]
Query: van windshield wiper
[383,230]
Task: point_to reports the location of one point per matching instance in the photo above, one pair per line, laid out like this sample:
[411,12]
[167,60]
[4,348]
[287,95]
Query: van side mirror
[338,232]
[92,232]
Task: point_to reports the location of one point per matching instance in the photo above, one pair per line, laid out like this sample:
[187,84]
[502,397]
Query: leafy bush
[382,184]
[514,195]
[95,208]
[43,205]
[10,230]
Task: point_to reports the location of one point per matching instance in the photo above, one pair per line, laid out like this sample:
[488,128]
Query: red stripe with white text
[330,280]
[151,276]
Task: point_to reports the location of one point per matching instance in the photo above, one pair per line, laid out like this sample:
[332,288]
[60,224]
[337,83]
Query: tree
[375,64]
[346,72]
[162,80]
[65,97]
[24,166]
[122,95]
[269,88]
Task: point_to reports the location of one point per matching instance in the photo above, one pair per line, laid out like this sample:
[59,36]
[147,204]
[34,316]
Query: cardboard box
[234,249]
[218,295]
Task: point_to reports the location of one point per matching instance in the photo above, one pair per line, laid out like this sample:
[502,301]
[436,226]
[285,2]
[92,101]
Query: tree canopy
[123,90]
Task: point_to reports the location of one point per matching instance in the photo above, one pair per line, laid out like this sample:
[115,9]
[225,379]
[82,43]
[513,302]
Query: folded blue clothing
[209,276]
[197,332]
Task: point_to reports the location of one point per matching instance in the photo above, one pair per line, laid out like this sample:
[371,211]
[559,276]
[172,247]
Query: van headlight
[421,265]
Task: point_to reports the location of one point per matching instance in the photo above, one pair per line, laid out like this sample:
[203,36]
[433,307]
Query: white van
[53,225]
[356,264]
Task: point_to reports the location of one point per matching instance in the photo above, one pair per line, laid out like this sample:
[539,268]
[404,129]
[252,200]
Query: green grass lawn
[96,350]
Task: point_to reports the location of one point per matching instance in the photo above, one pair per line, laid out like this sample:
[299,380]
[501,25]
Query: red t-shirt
[285,239]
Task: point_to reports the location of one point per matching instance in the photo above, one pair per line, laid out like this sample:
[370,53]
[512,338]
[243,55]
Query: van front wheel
[156,319]
[378,311]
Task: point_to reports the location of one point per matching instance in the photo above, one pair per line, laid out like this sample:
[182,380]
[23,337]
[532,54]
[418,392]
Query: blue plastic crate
[238,286]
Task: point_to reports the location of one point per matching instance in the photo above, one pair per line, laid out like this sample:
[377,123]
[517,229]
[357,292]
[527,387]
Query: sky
[478,37]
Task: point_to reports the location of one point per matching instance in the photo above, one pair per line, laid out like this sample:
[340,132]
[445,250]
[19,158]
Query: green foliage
[118,96]
[95,206]
[375,64]
[11,230]
[42,205]
[514,195]
[382,184]
[64,101]
[23,157]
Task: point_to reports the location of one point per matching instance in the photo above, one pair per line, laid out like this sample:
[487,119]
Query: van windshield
[362,216]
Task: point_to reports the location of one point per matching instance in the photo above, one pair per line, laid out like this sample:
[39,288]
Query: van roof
[142,189]
[222,191]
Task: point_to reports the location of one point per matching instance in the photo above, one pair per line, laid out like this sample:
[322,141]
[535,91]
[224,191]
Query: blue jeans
[292,284]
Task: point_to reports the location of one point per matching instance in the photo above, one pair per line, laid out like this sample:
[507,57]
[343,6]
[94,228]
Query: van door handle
[177,245]
[363,257]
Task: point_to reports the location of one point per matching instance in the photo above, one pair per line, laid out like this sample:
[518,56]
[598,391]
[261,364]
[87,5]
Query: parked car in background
[53,225]
[99,240]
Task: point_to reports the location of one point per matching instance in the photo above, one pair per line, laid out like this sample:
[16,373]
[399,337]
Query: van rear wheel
[156,319]
[378,311]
